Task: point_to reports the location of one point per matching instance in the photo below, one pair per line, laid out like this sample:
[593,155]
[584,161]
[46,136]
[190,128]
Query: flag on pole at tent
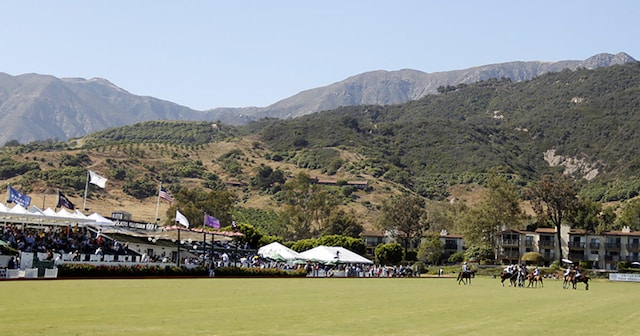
[180,218]
[164,194]
[18,197]
[97,179]
[63,201]
[211,221]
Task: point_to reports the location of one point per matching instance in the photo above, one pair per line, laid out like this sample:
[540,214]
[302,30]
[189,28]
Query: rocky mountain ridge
[39,107]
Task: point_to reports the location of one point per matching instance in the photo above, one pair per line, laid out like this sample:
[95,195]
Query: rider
[536,271]
[523,269]
[578,274]
[510,268]
[567,271]
[465,268]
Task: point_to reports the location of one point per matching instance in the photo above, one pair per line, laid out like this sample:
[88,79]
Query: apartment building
[603,250]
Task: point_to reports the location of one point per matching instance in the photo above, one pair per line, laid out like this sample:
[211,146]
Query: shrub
[117,271]
[258,272]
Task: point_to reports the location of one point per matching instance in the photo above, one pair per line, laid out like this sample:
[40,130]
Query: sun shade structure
[334,255]
[277,251]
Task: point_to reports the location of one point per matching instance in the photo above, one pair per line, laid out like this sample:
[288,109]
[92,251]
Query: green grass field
[333,306]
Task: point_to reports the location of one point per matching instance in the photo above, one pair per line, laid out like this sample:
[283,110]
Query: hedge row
[258,272]
[140,270]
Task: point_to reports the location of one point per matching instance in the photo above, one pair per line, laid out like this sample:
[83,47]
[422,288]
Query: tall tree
[585,215]
[590,215]
[307,206]
[404,216]
[343,223]
[431,249]
[629,215]
[195,202]
[499,210]
[553,199]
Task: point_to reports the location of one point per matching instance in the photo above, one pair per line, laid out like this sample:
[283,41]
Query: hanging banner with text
[624,277]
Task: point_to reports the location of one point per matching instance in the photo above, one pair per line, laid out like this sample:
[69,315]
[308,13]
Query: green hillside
[584,118]
[589,116]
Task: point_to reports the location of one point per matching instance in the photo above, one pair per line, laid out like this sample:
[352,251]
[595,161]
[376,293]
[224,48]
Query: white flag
[97,179]
[180,218]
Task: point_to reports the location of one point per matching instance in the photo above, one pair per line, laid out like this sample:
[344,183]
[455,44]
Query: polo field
[315,306]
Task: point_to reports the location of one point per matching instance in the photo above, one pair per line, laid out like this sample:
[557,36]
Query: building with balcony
[603,250]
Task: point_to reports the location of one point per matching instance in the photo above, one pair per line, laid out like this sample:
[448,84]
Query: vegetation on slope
[425,147]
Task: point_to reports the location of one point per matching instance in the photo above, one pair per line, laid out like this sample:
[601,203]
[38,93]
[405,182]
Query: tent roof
[100,220]
[334,254]
[276,250]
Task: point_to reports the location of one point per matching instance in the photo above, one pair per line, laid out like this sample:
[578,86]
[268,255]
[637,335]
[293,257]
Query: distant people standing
[12,263]
[225,259]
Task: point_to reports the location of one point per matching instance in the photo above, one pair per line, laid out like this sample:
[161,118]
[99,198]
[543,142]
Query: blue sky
[206,54]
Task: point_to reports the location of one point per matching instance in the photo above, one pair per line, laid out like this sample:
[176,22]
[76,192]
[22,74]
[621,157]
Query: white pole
[158,204]
[86,187]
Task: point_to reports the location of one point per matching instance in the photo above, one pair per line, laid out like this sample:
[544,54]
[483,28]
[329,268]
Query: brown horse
[567,280]
[466,277]
[534,279]
[511,276]
[583,278]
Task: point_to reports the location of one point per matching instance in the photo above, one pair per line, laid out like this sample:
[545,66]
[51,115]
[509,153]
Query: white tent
[334,254]
[100,220]
[35,211]
[18,209]
[278,251]
[50,212]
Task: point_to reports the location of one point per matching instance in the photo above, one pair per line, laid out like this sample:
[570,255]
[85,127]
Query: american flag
[164,194]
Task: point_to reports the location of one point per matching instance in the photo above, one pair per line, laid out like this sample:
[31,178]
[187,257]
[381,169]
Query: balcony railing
[528,243]
[510,255]
[549,255]
[510,242]
[612,258]
[633,247]
[594,246]
[547,243]
[578,245]
[577,256]
[633,258]
[612,246]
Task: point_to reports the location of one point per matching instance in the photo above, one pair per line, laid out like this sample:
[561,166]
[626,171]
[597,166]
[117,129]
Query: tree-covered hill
[581,122]
[588,117]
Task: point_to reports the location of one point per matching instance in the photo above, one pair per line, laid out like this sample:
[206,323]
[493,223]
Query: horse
[583,278]
[567,280]
[534,279]
[511,276]
[466,277]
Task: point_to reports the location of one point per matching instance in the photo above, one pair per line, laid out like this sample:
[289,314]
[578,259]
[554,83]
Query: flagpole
[6,201]
[86,187]
[158,204]
[179,243]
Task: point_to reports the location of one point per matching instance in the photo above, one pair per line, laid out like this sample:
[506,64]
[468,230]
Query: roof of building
[372,233]
[580,232]
[621,233]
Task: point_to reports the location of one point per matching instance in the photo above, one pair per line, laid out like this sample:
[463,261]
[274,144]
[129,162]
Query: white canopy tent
[334,254]
[278,251]
[34,215]
[100,220]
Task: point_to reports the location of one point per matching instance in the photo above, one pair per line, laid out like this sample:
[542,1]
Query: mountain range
[39,107]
